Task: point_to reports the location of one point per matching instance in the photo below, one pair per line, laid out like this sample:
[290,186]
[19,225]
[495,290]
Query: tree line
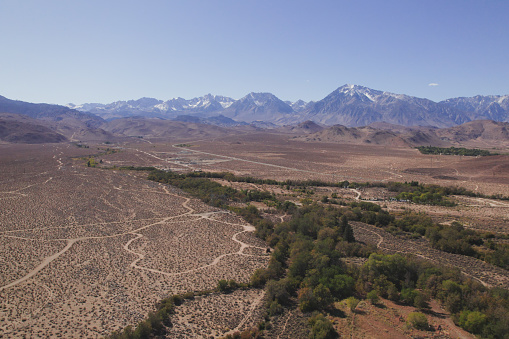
[471,152]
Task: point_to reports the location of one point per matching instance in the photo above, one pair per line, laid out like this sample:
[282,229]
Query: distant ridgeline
[472,152]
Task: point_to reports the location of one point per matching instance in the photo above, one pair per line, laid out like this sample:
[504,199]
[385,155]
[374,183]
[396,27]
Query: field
[88,251]
[281,157]
[91,250]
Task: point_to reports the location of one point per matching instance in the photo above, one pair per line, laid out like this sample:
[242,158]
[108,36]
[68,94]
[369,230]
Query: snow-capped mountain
[353,105]
[258,106]
[151,107]
[299,105]
[348,105]
[207,103]
[492,107]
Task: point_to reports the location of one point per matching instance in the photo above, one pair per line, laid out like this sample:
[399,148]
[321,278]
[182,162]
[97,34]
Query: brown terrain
[474,134]
[89,250]
[16,128]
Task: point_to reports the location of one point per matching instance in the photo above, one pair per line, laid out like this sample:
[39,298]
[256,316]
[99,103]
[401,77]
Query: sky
[60,51]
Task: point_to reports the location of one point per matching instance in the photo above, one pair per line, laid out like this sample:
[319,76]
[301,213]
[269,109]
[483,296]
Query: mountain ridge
[349,105]
[476,133]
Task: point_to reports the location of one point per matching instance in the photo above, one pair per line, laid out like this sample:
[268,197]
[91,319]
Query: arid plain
[85,251]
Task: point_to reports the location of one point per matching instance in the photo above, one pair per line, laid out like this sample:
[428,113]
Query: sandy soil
[388,320]
[216,315]
[88,251]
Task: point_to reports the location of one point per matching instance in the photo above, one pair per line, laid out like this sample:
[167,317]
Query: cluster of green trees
[420,194]
[137,168]
[80,145]
[289,183]
[454,151]
[399,187]
[405,279]
[452,238]
[497,255]
[463,191]
[209,191]
[155,322]
[306,263]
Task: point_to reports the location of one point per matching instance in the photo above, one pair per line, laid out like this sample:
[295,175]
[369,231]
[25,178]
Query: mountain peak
[352,87]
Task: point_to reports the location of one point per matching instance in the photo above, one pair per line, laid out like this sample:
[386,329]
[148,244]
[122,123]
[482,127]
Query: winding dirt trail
[70,242]
[215,261]
[358,197]
[45,262]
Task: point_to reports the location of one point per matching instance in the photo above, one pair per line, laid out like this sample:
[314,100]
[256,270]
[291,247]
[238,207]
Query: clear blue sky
[102,51]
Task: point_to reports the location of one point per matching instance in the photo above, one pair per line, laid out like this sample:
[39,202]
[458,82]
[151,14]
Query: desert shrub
[321,327]
[373,297]
[222,285]
[232,284]
[418,321]
[352,303]
[274,308]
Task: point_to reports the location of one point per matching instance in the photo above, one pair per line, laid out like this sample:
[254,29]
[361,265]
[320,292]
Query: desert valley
[103,224]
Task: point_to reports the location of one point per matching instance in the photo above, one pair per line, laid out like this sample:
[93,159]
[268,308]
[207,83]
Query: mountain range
[346,107]
[349,105]
[22,122]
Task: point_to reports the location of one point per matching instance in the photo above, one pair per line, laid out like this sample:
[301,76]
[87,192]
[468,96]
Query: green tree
[472,321]
[421,301]
[276,290]
[259,277]
[307,300]
[408,295]
[323,296]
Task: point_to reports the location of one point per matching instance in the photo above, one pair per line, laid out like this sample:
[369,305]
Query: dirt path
[492,203]
[45,262]
[215,261]
[284,326]
[358,197]
[70,242]
[252,309]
